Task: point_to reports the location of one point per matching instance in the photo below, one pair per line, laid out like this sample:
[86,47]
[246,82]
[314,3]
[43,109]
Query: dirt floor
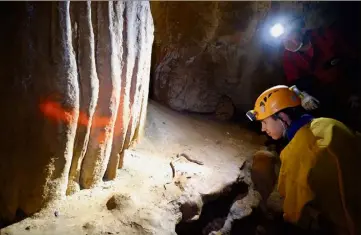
[143,199]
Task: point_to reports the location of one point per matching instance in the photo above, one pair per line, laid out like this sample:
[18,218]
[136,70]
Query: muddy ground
[144,199]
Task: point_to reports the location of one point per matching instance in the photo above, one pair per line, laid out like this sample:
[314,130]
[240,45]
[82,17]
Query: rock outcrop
[74,89]
[204,51]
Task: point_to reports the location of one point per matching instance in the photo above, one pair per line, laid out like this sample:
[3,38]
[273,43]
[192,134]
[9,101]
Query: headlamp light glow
[277,30]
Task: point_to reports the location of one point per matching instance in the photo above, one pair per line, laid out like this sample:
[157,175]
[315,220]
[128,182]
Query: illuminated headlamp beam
[277,30]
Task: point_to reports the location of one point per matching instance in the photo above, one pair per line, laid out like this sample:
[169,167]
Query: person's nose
[263,129]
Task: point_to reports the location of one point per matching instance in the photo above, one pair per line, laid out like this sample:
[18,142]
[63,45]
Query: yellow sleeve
[297,159]
[295,198]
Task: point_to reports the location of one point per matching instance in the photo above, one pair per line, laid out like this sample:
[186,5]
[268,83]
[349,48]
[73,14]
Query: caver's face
[273,127]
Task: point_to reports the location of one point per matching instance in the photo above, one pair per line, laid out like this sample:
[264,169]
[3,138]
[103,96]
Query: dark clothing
[327,71]
[326,60]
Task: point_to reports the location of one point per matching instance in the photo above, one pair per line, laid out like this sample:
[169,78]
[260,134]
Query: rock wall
[74,88]
[204,51]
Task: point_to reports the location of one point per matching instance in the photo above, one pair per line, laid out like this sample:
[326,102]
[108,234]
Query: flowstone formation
[74,85]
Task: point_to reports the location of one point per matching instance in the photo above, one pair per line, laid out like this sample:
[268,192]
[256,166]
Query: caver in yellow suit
[320,166]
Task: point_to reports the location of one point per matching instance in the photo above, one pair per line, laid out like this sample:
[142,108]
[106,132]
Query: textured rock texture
[141,200]
[74,88]
[204,51]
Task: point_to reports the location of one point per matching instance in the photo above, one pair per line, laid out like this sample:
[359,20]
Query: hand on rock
[309,102]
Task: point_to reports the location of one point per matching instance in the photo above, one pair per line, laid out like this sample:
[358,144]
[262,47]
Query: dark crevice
[19,216]
[218,208]
[214,215]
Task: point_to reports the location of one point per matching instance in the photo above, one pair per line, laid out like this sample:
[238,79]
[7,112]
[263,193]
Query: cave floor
[144,202]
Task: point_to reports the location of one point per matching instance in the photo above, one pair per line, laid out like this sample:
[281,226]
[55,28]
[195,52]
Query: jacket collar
[296,125]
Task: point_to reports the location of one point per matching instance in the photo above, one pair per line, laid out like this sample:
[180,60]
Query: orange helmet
[274,100]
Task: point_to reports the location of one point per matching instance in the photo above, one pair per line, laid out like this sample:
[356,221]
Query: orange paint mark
[54,111]
[101,137]
[100,121]
[97,121]
[83,119]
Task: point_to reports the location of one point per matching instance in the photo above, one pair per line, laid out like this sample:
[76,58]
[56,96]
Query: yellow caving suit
[322,164]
